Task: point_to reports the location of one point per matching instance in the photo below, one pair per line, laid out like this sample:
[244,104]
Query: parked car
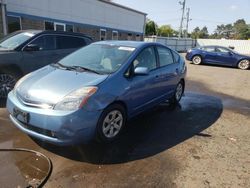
[25,51]
[218,55]
[95,90]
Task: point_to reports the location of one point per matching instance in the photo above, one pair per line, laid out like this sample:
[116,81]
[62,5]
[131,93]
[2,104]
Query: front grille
[33,104]
[38,130]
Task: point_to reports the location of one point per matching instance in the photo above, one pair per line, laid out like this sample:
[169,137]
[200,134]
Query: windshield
[11,42]
[100,58]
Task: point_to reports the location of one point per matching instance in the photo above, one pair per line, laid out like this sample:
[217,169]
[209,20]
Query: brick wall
[32,24]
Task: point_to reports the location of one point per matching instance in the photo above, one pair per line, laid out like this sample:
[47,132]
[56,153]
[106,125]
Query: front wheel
[244,64]
[179,90]
[196,60]
[7,83]
[111,123]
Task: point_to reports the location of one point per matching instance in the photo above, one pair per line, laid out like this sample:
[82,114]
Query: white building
[98,18]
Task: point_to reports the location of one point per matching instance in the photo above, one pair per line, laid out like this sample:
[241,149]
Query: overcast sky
[208,13]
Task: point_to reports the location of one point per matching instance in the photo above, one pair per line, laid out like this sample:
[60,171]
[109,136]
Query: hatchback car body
[218,55]
[25,51]
[93,91]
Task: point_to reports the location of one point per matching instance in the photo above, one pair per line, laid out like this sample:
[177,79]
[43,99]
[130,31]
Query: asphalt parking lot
[203,142]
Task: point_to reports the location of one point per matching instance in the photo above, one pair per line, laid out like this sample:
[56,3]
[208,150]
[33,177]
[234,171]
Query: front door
[142,90]
[47,53]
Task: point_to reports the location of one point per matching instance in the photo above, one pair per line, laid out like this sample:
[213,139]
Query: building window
[114,35]
[103,34]
[14,23]
[69,28]
[49,25]
[138,37]
[129,36]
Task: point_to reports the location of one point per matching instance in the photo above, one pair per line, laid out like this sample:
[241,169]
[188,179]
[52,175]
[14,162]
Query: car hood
[50,85]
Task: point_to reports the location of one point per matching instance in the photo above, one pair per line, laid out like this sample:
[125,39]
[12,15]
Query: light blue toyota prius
[91,93]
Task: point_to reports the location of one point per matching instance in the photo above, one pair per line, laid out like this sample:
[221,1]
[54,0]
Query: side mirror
[230,53]
[141,71]
[32,47]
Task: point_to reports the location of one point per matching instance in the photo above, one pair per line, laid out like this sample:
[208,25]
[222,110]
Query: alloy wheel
[196,60]
[179,92]
[7,83]
[112,124]
[244,64]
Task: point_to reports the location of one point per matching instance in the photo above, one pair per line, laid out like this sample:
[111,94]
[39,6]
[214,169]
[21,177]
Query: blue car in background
[218,55]
[93,92]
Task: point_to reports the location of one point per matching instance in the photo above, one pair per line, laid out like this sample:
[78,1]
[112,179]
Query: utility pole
[182,17]
[188,19]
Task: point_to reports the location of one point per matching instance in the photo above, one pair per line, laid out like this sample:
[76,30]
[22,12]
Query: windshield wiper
[63,66]
[84,69]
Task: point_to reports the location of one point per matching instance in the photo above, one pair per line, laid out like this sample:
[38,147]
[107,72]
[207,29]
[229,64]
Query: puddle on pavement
[23,169]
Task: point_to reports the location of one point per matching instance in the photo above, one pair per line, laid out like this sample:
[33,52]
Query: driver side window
[45,42]
[146,58]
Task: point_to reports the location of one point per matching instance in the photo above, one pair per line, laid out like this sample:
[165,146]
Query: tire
[111,123]
[196,60]
[179,90]
[7,83]
[244,64]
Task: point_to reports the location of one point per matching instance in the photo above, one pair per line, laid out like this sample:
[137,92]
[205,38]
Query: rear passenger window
[67,42]
[165,56]
[45,42]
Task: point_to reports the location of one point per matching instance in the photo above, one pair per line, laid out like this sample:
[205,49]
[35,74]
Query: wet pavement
[186,146]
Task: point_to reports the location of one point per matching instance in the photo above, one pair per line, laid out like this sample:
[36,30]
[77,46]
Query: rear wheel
[178,93]
[244,64]
[196,60]
[7,83]
[111,123]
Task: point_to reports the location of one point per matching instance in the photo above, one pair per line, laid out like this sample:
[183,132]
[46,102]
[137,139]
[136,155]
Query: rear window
[67,42]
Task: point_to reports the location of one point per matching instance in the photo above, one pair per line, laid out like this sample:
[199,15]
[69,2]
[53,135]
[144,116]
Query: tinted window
[67,42]
[13,24]
[165,56]
[46,42]
[146,59]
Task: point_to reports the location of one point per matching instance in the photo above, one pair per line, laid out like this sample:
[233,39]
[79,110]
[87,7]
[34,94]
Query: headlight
[76,99]
[190,50]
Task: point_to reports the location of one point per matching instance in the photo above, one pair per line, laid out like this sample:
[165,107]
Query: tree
[195,33]
[151,28]
[242,30]
[166,31]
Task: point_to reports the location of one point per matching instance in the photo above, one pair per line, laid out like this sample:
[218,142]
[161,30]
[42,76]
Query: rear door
[68,44]
[168,72]
[224,56]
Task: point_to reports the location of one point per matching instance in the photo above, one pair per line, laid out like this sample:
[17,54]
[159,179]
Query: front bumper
[56,127]
[188,56]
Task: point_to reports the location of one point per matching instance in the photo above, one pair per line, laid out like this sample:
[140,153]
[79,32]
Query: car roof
[213,46]
[55,32]
[134,44]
